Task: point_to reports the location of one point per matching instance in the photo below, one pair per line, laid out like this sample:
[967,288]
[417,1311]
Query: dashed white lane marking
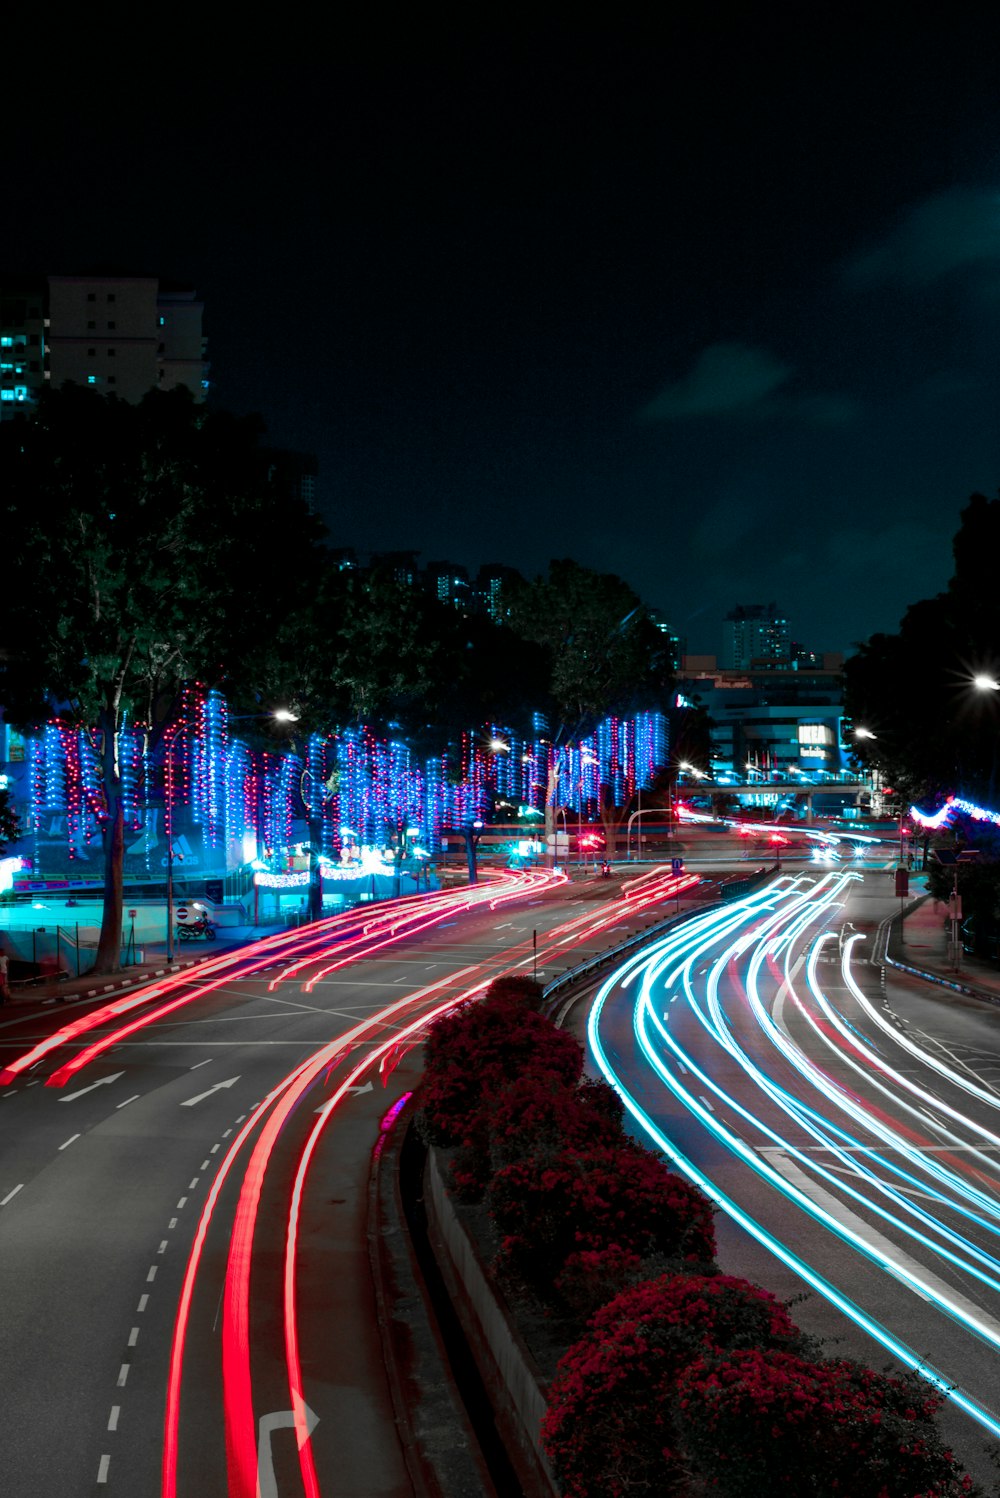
[11,1194]
[172,1223]
[69,1141]
[11,1093]
[128,1100]
[200,1063]
[708,1105]
[123,1374]
[163,1247]
[182,1204]
[102,1470]
[116,1410]
[133,1336]
[194,1183]
[151,1276]
[143,1303]
[205,1164]
[214,1148]
[227,1133]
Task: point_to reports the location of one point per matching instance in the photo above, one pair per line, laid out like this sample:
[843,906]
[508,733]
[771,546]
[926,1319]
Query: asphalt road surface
[188,1306]
[851,1134]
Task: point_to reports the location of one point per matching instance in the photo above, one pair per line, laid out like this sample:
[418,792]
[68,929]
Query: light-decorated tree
[146,545]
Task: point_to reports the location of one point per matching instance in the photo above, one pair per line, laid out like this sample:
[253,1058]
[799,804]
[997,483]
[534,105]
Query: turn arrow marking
[267,1486]
[102,1083]
[190,1102]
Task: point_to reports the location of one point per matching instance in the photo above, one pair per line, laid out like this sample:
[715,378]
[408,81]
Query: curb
[881,957]
[77,995]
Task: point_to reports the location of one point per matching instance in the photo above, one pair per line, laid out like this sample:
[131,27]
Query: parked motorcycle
[191,930]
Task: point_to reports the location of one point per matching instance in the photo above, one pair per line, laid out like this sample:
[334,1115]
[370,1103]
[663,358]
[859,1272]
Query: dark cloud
[728,378]
[948,232]
[735,379]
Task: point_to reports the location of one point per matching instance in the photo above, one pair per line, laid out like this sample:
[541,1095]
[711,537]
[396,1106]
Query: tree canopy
[146,545]
[934,732]
[605,654]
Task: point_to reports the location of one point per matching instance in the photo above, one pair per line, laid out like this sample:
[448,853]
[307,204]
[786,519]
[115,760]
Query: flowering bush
[758,1421]
[590,1200]
[536,1114]
[479,1048]
[609,1428]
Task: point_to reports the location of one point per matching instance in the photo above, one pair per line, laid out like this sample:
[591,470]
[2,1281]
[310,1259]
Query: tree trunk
[109,946]
[314,904]
[471,843]
[551,787]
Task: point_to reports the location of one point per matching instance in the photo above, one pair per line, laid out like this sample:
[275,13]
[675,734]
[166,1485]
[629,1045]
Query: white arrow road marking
[70,1096]
[190,1102]
[267,1486]
[367,1087]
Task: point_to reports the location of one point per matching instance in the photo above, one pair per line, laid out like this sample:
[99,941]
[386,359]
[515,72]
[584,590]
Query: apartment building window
[91,353]
[111,296]
[112,325]
[91,296]
[111,353]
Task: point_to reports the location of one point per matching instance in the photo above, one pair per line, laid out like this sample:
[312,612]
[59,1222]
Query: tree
[10,826]
[934,734]
[605,654]
[139,533]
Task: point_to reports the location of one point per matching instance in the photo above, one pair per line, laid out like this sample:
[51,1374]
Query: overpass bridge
[797,785]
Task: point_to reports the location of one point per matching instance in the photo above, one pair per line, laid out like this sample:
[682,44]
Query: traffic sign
[677,866]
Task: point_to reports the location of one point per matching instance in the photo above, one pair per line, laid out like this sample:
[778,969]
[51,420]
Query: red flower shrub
[590,1200]
[756,1421]
[472,1053]
[536,1114]
[609,1428]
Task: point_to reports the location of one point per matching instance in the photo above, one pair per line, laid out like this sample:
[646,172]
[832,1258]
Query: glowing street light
[984,683]
[866,733]
[284,715]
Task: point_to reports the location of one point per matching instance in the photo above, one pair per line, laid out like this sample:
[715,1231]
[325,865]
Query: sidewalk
[44,991]
[921,948]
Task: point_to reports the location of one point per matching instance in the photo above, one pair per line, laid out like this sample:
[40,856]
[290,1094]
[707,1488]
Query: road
[188,1305]
[852,1137]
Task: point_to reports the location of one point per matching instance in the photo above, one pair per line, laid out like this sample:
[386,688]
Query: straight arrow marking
[103,1082]
[190,1102]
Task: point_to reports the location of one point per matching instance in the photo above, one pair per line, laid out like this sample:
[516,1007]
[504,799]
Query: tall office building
[756,632]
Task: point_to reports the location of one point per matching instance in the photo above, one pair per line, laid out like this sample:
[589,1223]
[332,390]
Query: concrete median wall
[510,1374]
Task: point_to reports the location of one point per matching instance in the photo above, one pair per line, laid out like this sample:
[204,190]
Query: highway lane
[106,1181]
[776,1072]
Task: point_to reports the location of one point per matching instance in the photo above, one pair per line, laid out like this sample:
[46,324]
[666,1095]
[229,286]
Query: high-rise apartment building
[756,632]
[125,335]
[448,582]
[119,335]
[492,589]
[22,344]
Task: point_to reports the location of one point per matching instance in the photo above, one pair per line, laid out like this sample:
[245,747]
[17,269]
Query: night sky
[713,306]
